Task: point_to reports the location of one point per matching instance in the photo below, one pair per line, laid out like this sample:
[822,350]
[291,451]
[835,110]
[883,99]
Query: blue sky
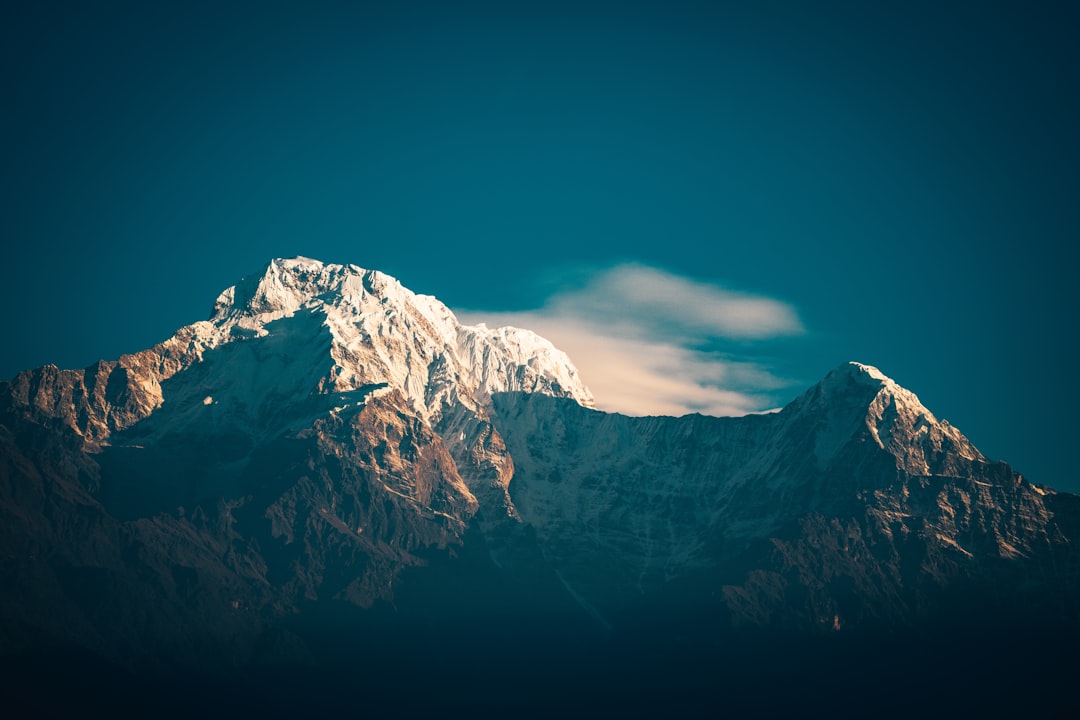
[894,183]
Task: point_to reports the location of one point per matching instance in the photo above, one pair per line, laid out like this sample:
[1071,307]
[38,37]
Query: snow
[870,371]
[857,399]
[306,329]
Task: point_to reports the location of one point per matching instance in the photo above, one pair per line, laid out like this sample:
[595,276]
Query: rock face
[332,462]
[854,507]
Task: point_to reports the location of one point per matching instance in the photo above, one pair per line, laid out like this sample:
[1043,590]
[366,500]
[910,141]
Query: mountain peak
[305,333]
[857,401]
[380,332]
[868,371]
[859,383]
[857,372]
[286,284]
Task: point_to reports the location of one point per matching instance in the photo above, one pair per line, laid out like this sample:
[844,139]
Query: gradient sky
[894,183]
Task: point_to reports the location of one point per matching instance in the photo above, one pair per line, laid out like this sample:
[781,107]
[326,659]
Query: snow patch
[870,371]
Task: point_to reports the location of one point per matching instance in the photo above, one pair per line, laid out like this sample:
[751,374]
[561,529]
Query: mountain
[332,484]
[852,507]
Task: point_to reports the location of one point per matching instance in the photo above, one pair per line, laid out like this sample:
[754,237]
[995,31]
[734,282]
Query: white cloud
[638,336]
[657,302]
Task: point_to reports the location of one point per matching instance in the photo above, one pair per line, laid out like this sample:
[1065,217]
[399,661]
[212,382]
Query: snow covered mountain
[335,330]
[331,456]
[303,341]
[854,484]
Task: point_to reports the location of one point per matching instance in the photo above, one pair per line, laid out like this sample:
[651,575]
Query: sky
[708,205]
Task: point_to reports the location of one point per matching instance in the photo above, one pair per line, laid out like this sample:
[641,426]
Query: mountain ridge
[331,456]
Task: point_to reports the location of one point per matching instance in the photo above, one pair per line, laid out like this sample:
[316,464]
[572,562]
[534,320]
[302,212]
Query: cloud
[644,341]
[649,300]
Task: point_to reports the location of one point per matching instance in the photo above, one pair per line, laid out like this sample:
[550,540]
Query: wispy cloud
[643,340]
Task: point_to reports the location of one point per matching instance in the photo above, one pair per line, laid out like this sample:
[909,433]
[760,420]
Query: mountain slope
[295,430]
[332,462]
[852,506]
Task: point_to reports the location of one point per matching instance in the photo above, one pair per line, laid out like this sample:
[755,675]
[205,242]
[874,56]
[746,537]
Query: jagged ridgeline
[333,489]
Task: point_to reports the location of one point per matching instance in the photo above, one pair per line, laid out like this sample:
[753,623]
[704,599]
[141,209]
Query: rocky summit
[333,494]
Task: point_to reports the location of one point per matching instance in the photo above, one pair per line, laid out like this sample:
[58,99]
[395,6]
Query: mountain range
[332,493]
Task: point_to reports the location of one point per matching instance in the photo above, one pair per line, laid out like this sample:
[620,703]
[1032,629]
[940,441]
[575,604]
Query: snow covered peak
[858,373]
[884,386]
[869,371]
[857,400]
[381,333]
[857,382]
[286,285]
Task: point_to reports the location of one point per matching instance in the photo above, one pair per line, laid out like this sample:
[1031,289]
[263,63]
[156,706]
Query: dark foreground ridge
[491,662]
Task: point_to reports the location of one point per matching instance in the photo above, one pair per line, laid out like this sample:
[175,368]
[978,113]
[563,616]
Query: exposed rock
[332,462]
